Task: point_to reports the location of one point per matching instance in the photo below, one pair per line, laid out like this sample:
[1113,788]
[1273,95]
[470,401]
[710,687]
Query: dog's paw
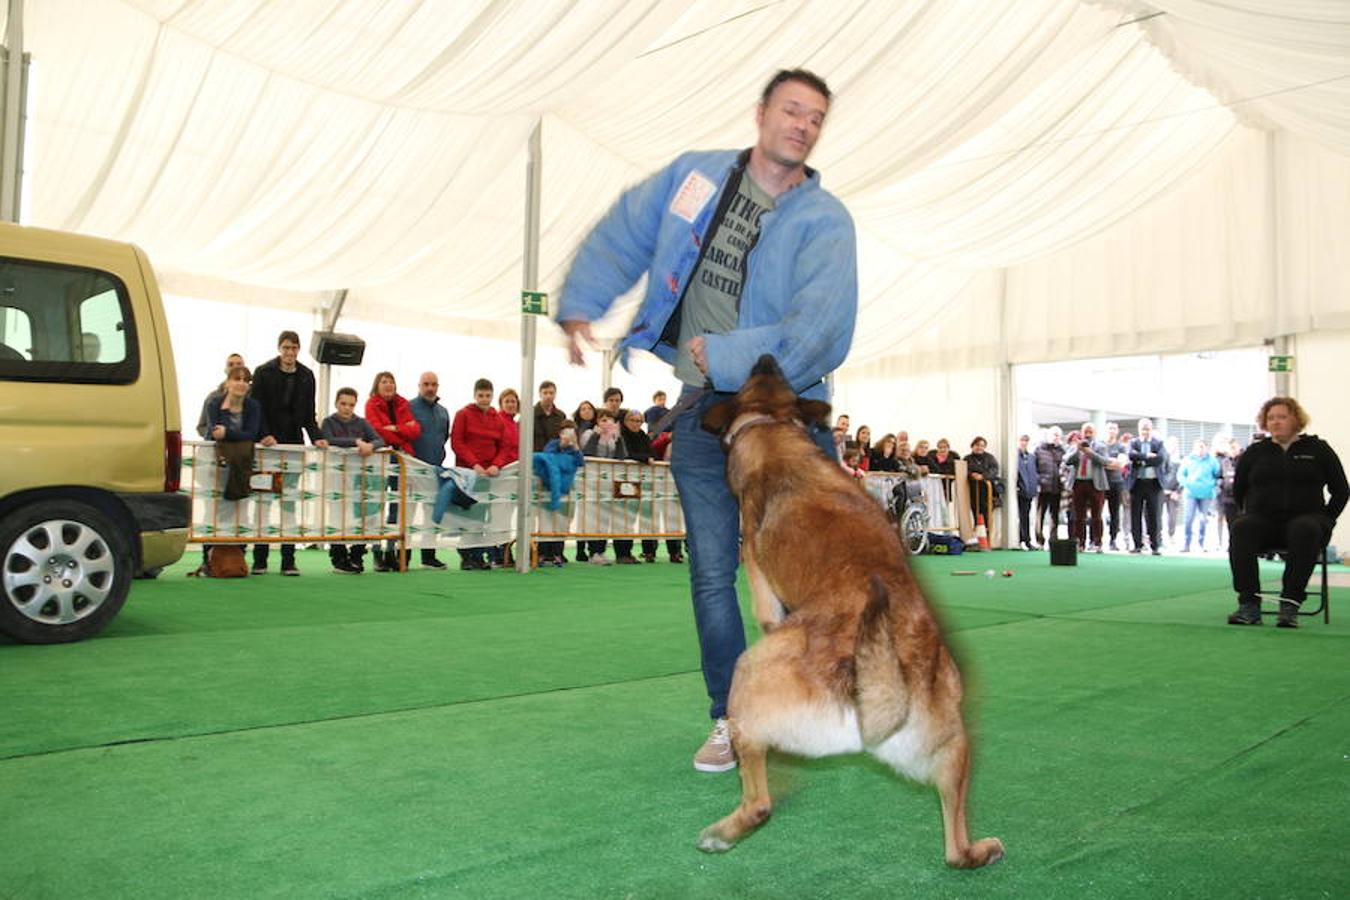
[712,842]
[991,849]
[980,853]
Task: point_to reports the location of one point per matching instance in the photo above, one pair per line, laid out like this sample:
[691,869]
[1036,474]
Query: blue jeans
[1194,505]
[712,521]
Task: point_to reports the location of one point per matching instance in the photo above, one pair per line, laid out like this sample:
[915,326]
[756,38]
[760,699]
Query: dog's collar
[745,422]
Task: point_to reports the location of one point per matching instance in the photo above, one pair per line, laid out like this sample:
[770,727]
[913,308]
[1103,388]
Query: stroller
[908,508]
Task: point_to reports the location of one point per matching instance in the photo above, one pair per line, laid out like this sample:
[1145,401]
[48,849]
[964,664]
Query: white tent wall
[1250,246]
[1320,385]
[956,405]
[206,331]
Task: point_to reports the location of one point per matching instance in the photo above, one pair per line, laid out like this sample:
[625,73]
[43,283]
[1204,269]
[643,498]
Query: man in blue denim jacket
[745,254]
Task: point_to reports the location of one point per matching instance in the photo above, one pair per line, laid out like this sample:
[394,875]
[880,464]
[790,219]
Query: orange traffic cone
[981,532]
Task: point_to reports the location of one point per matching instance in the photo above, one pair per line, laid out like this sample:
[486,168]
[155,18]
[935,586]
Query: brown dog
[852,657]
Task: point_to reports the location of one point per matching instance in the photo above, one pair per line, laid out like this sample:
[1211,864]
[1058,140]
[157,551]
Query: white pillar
[14,99]
[1007,420]
[530,280]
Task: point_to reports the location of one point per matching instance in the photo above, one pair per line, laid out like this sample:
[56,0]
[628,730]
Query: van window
[16,334]
[65,323]
[101,336]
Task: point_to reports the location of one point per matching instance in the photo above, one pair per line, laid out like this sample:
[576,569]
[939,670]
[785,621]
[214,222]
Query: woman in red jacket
[508,407]
[390,415]
[392,418]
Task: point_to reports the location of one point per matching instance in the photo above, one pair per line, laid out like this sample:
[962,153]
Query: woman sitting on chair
[1280,489]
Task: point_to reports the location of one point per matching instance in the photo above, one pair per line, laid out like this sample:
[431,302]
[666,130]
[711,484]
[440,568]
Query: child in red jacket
[478,438]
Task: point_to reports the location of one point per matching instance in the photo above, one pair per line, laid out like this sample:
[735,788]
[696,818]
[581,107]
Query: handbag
[227,561]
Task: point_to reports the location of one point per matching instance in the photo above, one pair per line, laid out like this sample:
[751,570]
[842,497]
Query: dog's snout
[766,365]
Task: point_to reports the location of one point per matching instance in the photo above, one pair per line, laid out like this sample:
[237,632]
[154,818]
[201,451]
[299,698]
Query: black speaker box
[1063,553]
[336,349]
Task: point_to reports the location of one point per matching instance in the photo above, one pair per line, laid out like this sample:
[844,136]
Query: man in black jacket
[1290,488]
[285,389]
[1049,458]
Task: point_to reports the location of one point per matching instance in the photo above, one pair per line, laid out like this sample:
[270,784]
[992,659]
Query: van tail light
[173,461]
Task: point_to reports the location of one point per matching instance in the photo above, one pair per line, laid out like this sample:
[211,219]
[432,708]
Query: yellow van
[89,426]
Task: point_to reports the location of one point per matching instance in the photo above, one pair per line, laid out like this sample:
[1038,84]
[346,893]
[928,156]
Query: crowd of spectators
[275,404]
[1124,491]
[1119,491]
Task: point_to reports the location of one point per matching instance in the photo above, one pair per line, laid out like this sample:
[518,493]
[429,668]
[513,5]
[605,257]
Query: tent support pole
[15,101]
[1281,383]
[533,185]
[1007,421]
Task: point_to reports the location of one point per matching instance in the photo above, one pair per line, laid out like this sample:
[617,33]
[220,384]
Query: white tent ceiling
[379,145]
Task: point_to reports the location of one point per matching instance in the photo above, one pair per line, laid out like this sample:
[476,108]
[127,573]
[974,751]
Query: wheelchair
[908,508]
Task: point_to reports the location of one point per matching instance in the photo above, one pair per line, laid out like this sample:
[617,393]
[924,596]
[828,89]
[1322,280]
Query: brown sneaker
[716,754]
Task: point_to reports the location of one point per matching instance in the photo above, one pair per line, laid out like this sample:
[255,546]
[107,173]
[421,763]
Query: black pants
[981,500]
[1145,498]
[341,554]
[261,551]
[1024,519]
[1301,536]
[649,546]
[1047,502]
[1113,509]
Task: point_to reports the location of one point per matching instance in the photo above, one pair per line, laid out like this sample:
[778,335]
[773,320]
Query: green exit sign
[534,303]
[1280,364]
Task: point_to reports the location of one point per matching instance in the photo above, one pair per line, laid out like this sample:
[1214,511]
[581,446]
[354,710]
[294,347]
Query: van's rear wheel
[64,573]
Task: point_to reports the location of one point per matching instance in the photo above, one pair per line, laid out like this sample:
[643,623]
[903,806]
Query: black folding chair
[1272,596]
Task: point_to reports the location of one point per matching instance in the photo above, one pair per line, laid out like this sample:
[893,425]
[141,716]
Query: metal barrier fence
[947,498]
[303,494]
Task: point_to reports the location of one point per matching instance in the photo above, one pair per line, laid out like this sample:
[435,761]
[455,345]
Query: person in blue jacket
[1028,486]
[235,425]
[1199,479]
[745,254]
[429,446]
[238,417]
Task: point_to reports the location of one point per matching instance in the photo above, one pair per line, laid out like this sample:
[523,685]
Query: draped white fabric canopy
[379,145]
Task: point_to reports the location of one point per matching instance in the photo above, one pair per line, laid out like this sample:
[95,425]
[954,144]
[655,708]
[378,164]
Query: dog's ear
[718,418]
[813,412]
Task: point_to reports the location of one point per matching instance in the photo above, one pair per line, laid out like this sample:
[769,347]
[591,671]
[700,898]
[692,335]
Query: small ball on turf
[988,573]
[1007,573]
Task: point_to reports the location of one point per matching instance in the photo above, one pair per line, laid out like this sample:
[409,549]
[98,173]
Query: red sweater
[478,438]
[511,437]
[377,414]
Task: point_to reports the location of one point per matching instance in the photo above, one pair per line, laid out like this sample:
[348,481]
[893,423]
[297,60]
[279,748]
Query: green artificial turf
[486,734]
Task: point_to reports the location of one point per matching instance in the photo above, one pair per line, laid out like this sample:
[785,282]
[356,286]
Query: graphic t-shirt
[712,302]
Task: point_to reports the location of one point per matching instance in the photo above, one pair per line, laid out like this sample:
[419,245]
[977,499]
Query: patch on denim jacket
[692,196]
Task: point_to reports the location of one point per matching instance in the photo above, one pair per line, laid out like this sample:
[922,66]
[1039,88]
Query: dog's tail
[882,698]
